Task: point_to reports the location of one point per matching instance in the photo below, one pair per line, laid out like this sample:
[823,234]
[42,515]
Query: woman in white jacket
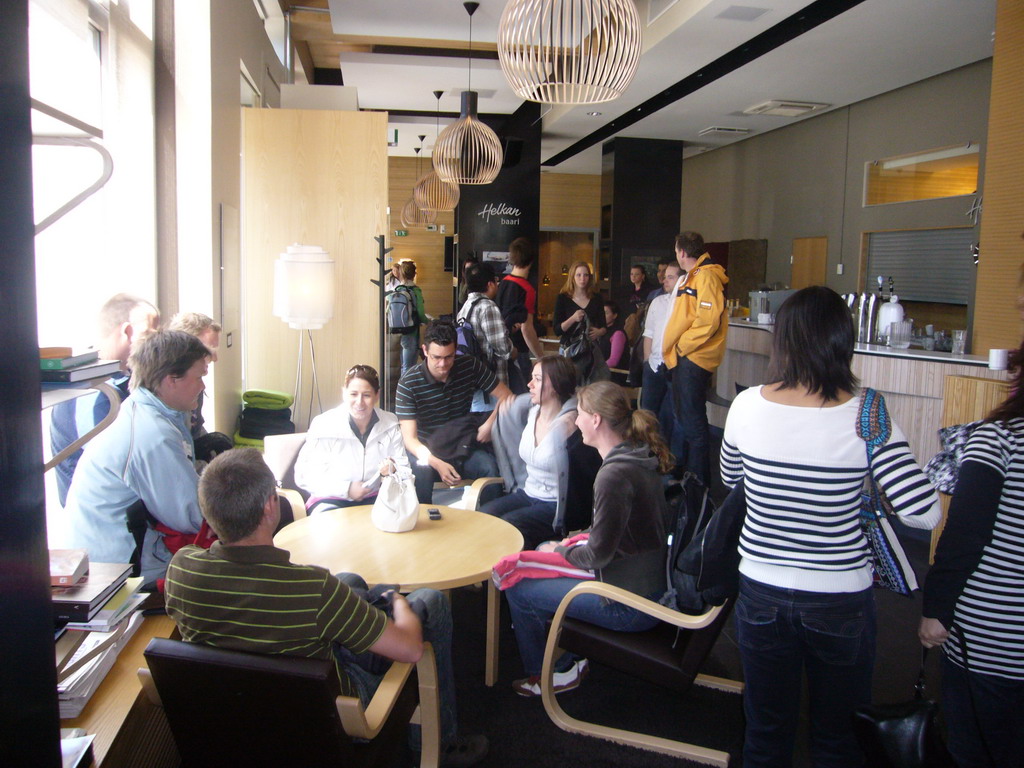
[351,447]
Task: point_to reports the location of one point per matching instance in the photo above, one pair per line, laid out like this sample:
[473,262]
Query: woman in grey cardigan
[529,443]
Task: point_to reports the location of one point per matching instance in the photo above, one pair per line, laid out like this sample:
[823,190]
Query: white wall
[213,39]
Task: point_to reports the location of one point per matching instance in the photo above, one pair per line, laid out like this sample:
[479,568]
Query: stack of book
[62,365]
[85,668]
[81,602]
[95,618]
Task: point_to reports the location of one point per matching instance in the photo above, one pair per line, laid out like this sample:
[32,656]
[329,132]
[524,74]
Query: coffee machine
[762,302]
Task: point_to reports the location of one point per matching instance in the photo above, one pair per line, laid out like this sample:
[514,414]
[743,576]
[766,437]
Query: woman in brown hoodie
[626,542]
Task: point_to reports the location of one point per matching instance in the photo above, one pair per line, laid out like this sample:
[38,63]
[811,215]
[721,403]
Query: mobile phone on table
[434,513]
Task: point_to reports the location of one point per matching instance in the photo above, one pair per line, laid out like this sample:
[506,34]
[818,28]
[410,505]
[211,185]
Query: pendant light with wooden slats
[430,192]
[569,51]
[468,151]
[412,214]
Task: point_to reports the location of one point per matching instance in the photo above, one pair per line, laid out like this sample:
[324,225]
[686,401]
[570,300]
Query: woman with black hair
[974,594]
[805,603]
[614,345]
[530,446]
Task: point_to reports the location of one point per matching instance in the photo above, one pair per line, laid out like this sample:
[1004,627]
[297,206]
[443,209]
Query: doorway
[810,259]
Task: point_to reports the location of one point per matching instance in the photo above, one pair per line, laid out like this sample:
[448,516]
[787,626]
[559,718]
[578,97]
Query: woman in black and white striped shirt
[805,602]
[976,587]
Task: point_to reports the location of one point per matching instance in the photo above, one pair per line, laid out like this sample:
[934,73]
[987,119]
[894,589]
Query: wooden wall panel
[570,200]
[423,247]
[316,178]
[997,322]
[967,399]
[914,388]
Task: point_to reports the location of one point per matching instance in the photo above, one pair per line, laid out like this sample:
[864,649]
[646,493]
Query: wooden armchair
[669,655]
[227,707]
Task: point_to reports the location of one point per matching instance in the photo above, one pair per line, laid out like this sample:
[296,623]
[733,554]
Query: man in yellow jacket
[693,346]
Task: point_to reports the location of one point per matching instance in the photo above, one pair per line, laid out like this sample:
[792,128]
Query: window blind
[925,264]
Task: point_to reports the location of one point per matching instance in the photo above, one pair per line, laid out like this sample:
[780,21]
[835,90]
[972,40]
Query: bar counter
[912,380]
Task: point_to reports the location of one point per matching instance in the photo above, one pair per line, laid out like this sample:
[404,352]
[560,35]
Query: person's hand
[386,467]
[483,432]
[547,546]
[516,327]
[356,491]
[447,472]
[931,632]
[578,316]
[595,333]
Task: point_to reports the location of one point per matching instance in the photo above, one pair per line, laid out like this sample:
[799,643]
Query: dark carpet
[522,735]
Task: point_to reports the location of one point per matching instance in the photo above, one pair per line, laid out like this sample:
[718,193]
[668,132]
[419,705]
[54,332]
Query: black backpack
[466,341]
[702,568]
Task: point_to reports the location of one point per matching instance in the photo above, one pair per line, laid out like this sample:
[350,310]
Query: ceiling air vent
[718,130]
[782,108]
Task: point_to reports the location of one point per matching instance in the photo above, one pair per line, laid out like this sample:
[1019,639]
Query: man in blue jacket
[122,321]
[146,456]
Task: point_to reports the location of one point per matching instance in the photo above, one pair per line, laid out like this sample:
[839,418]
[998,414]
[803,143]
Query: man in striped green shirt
[245,594]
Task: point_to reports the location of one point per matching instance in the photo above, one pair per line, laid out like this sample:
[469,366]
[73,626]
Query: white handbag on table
[396,507]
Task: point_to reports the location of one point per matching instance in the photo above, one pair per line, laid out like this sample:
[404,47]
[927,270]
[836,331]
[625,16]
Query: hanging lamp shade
[468,151]
[414,216]
[433,194]
[569,51]
[430,193]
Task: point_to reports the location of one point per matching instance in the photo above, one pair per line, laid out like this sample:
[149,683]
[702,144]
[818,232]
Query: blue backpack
[401,310]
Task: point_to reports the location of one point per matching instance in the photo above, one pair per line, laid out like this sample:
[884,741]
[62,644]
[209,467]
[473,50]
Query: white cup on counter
[764,318]
[998,359]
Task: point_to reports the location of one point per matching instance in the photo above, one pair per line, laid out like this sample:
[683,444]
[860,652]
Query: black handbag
[580,349]
[903,735]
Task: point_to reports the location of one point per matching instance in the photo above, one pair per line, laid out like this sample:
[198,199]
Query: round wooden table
[455,551]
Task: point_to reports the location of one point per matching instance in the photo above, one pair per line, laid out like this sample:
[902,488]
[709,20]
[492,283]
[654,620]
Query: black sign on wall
[490,216]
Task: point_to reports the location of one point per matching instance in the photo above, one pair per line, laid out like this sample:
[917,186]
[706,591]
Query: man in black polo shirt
[435,393]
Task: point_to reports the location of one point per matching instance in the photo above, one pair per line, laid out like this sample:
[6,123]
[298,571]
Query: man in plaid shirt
[488,327]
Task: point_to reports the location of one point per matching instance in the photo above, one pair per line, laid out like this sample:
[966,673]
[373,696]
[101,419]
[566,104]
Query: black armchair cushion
[663,655]
[232,708]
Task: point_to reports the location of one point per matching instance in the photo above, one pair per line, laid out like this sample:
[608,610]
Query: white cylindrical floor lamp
[304,298]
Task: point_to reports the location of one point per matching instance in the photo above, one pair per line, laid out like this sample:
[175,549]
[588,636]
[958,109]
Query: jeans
[533,602]
[656,396]
[532,518]
[437,630]
[481,463]
[410,349]
[783,633]
[689,397]
[985,717]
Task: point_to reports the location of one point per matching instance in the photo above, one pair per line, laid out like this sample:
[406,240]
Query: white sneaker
[562,681]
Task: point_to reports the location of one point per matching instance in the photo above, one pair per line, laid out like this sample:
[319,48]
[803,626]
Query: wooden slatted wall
[997,322]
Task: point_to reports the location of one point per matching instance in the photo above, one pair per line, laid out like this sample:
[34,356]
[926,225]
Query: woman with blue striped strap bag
[805,600]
